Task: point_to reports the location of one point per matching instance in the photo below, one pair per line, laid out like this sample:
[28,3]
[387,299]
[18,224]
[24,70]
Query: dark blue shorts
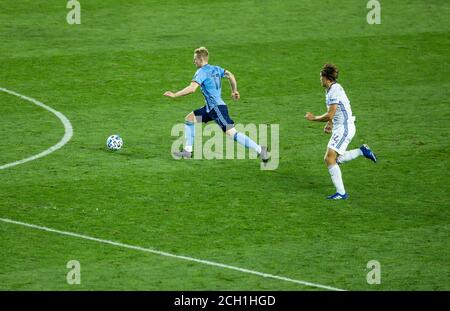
[218,114]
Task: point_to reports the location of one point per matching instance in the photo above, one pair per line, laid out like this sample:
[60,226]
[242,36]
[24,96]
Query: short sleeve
[332,96]
[221,71]
[199,77]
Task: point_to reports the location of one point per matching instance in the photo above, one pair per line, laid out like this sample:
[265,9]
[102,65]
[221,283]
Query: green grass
[107,76]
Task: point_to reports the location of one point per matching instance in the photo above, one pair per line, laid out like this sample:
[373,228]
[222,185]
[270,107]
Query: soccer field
[107,76]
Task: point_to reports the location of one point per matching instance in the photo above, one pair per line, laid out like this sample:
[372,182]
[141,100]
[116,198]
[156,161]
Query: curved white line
[68,130]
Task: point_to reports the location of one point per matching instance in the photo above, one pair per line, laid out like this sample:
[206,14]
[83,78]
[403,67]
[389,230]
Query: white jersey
[336,95]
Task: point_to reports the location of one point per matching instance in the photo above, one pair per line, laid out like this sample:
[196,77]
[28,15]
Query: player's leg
[221,116]
[243,139]
[340,139]
[189,131]
[349,155]
[248,143]
[355,153]
[335,173]
[199,115]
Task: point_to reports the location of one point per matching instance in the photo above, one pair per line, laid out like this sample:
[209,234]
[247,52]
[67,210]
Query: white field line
[68,130]
[154,251]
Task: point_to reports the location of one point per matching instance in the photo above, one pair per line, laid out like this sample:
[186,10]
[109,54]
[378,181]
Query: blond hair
[202,52]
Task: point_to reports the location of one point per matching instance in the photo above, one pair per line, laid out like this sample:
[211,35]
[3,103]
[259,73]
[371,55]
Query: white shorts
[341,137]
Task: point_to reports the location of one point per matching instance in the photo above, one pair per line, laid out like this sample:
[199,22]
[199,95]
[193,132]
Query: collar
[331,86]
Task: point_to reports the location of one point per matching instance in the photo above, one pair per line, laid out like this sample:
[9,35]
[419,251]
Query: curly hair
[330,72]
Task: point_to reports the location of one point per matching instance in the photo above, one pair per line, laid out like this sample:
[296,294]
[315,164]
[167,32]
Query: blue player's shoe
[338,196]
[368,153]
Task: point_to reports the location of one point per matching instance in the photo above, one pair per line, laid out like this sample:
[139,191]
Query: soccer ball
[114,142]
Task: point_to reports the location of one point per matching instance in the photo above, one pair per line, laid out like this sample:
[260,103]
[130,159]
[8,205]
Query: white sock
[336,178]
[349,155]
[188,148]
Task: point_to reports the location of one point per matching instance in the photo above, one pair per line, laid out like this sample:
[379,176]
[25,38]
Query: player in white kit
[341,125]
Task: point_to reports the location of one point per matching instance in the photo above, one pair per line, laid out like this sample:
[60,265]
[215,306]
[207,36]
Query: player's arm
[191,88]
[328,127]
[326,117]
[233,84]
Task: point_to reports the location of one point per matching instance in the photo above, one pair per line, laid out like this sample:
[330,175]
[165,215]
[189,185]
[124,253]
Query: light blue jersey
[209,78]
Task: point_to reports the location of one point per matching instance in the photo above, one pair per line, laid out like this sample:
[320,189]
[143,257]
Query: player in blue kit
[208,77]
[341,125]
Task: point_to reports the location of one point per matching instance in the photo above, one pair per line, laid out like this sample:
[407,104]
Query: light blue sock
[247,142]
[189,133]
